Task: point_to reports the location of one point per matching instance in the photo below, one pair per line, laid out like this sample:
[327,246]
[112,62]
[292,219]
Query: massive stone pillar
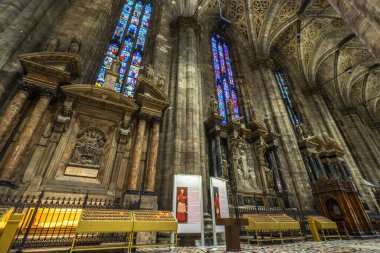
[11,112]
[134,171]
[296,173]
[184,149]
[363,17]
[150,177]
[11,11]
[12,168]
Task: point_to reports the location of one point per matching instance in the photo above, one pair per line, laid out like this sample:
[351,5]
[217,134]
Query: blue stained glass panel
[223,76]
[286,96]
[134,20]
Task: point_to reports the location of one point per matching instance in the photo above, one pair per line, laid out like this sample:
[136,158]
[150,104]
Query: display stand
[232,227]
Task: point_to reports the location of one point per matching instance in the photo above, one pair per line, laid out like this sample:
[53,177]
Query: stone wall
[24,27]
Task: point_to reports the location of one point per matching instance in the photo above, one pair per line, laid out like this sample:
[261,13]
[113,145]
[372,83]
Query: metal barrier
[52,222]
[294,213]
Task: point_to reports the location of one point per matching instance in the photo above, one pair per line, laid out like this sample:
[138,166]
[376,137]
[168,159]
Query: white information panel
[219,203]
[188,203]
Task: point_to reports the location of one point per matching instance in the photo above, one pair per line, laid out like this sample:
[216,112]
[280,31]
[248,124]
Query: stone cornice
[100,95]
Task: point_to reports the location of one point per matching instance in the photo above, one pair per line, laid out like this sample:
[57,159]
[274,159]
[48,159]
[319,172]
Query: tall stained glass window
[127,45]
[224,79]
[287,97]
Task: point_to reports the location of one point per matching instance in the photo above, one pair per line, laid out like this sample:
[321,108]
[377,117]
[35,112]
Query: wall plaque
[81,172]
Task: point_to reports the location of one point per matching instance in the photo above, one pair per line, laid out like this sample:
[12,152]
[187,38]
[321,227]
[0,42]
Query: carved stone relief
[89,147]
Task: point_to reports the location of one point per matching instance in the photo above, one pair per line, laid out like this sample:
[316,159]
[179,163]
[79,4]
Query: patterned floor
[362,246]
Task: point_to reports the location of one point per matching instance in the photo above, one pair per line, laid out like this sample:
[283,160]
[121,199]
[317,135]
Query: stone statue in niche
[53,45]
[224,172]
[116,66]
[246,173]
[231,111]
[269,177]
[89,147]
[214,105]
[74,46]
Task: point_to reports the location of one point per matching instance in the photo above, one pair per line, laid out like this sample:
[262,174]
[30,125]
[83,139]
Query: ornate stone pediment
[150,97]
[54,68]
[100,95]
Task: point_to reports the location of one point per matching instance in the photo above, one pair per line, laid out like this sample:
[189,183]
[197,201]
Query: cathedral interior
[109,100]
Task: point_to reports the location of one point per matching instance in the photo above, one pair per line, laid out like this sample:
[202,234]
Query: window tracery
[127,45]
[225,85]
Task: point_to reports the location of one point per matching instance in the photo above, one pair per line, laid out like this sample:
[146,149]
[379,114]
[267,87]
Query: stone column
[280,169]
[184,146]
[133,175]
[150,176]
[308,170]
[320,166]
[292,155]
[363,17]
[276,173]
[12,166]
[313,167]
[11,112]
[342,171]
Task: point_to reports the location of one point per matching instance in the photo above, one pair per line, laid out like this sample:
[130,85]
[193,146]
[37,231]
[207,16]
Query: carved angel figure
[53,45]
[74,46]
[63,119]
[161,82]
[89,147]
[149,72]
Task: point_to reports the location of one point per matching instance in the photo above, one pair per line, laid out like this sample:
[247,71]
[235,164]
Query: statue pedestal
[232,228]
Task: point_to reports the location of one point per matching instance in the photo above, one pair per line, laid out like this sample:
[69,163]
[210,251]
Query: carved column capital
[28,89]
[142,116]
[266,63]
[184,22]
[156,120]
[48,93]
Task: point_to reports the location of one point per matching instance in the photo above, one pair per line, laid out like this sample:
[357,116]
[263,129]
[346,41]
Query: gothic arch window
[286,95]
[127,45]
[224,79]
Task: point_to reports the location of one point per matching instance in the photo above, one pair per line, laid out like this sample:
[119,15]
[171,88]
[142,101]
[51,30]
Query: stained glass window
[224,79]
[287,97]
[127,45]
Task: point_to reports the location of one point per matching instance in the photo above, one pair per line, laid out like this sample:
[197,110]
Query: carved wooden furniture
[339,201]
[269,225]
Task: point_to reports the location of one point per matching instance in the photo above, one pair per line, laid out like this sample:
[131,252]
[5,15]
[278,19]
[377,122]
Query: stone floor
[362,246]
